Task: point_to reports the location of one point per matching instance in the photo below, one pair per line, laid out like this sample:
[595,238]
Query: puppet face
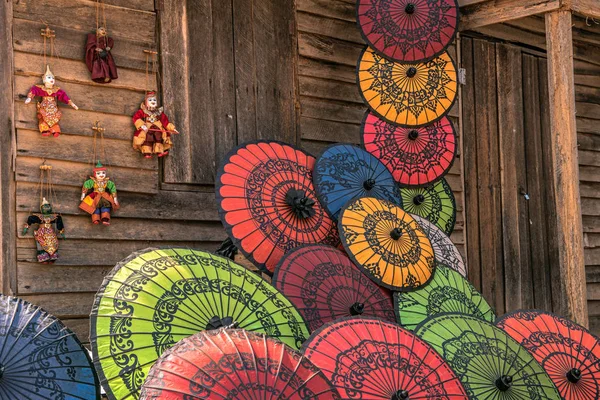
[101,31]
[100,175]
[151,102]
[49,80]
[46,208]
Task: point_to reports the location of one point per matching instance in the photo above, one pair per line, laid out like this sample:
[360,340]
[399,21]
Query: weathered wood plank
[65,306]
[515,241]
[265,48]
[81,328]
[71,254]
[331,90]
[588,8]
[335,28]
[100,99]
[80,149]
[564,161]
[127,53]
[488,167]
[328,49]
[492,12]
[39,278]
[339,9]
[471,200]
[75,71]
[78,122]
[171,205]
[542,290]
[81,227]
[8,278]
[74,174]
[320,130]
[81,15]
[333,111]
[320,69]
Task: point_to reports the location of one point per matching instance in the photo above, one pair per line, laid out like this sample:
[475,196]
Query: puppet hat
[45,202]
[99,167]
[48,72]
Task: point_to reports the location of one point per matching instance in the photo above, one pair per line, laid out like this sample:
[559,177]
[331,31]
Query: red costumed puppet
[98,56]
[153,129]
[48,113]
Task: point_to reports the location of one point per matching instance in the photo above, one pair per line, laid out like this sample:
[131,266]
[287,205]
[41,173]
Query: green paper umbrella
[155,298]
[490,364]
[447,292]
[435,203]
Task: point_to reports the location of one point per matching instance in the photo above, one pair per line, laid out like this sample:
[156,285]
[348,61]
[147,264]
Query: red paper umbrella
[369,359]
[408,30]
[324,285]
[234,364]
[414,156]
[568,352]
[268,204]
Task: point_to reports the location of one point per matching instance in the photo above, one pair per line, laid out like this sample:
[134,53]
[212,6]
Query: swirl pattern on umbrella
[40,358]
[447,292]
[235,364]
[435,203]
[267,202]
[369,359]
[387,243]
[155,298]
[324,285]
[404,94]
[414,156]
[444,250]
[569,353]
[490,364]
[345,172]
[408,30]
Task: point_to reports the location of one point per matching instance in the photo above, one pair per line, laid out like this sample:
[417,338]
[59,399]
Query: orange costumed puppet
[153,129]
[99,196]
[48,113]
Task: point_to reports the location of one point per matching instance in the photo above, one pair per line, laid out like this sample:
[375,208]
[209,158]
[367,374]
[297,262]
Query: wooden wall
[530,32]
[331,107]
[149,216]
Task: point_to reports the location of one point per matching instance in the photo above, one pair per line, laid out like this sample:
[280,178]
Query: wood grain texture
[8,278]
[589,8]
[564,160]
[494,12]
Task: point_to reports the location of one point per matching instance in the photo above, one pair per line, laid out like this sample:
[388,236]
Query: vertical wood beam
[572,301]
[8,271]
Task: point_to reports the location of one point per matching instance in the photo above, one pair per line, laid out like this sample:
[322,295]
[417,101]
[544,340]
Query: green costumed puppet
[49,224]
[99,196]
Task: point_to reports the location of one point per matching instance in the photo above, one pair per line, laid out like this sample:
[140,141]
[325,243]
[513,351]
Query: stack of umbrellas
[368,297]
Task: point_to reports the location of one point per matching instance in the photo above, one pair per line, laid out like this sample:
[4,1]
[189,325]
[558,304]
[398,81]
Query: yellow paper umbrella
[409,95]
[387,243]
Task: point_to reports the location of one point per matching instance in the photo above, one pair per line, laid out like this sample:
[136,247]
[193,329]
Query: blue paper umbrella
[40,358]
[344,172]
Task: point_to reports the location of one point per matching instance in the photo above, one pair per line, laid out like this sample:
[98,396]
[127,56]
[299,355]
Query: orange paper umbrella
[568,352]
[387,243]
[267,202]
[409,95]
[235,364]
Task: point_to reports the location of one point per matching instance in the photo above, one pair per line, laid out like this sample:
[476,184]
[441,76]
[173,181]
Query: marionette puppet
[48,113]
[98,56]
[50,225]
[153,129]
[99,196]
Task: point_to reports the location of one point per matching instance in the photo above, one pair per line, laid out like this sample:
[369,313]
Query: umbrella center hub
[411,72]
[504,383]
[574,375]
[369,184]
[302,205]
[419,199]
[217,322]
[400,395]
[410,8]
[357,309]
[396,234]
[413,134]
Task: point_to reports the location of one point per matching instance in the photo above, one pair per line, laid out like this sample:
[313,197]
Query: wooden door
[508,185]
[228,75]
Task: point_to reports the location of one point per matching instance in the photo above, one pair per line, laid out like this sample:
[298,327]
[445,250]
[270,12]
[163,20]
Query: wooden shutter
[228,74]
